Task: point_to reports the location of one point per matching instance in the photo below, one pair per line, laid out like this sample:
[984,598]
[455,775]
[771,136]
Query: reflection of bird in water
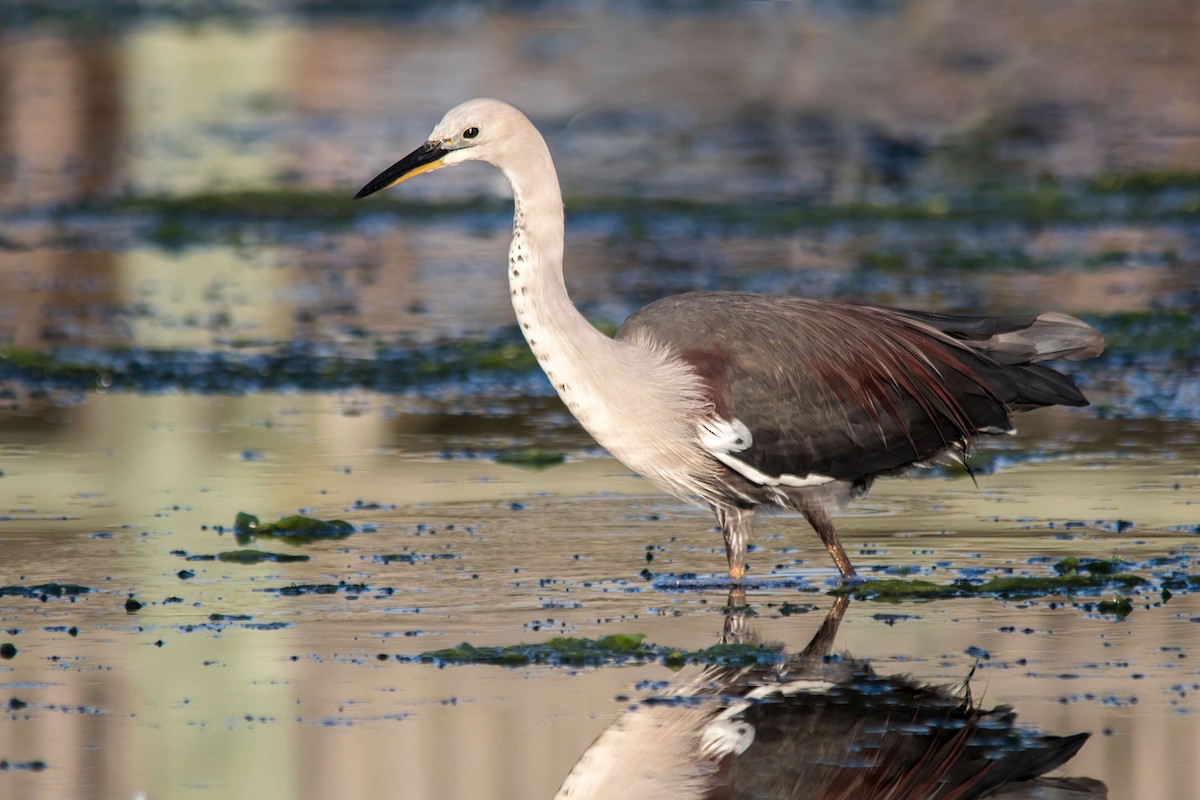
[745,400]
[820,727]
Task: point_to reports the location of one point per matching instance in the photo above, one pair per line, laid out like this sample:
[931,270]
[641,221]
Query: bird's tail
[1025,339]
[1014,346]
[1050,336]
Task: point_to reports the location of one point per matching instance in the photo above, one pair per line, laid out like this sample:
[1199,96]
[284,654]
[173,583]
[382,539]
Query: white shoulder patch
[730,734]
[722,438]
[725,436]
[726,736]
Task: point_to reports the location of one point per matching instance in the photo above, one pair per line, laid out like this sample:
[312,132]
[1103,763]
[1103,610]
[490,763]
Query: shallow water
[165,366]
[116,492]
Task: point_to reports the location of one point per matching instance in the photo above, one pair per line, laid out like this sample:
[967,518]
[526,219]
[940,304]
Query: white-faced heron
[747,400]
[815,727]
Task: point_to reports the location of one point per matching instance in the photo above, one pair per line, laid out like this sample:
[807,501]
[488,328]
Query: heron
[816,726]
[748,401]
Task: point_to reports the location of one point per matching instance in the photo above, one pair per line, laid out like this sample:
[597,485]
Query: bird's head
[477,130]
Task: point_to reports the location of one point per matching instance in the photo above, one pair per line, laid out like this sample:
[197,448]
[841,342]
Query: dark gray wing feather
[850,391]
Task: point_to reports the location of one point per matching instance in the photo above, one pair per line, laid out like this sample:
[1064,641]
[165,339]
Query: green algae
[293,530]
[177,221]
[532,457]
[1145,182]
[503,357]
[733,654]
[560,650]
[172,233]
[614,649]
[1032,586]
[1119,606]
[1092,566]
[787,609]
[43,366]
[897,589]
[257,557]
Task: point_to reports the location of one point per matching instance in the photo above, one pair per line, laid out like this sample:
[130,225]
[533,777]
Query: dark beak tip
[371,188]
[422,156]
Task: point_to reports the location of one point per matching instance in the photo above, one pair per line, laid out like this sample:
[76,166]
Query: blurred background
[1035,150]
[196,320]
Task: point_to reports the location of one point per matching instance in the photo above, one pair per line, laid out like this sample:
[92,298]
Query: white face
[477,130]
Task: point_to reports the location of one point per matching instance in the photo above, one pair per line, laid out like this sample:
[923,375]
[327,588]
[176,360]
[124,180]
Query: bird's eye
[471,133]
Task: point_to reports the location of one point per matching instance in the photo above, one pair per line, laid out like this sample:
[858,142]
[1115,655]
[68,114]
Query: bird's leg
[735,523]
[822,641]
[736,629]
[822,523]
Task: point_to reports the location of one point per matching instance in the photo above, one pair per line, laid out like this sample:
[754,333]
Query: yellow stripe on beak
[425,158]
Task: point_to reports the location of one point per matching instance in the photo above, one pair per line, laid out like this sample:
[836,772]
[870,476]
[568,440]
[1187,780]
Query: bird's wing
[805,391]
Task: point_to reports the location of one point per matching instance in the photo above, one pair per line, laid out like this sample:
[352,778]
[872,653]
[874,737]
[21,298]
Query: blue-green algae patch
[341,587]
[614,649]
[412,558]
[43,591]
[1180,582]
[531,457]
[1067,581]
[296,365]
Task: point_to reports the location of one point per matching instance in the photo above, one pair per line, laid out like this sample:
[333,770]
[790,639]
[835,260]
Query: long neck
[637,402]
[574,355]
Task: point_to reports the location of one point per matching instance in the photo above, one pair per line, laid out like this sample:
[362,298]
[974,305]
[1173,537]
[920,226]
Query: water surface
[185,287]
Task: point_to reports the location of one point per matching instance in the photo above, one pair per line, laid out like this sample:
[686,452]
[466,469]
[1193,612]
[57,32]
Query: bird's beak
[425,158]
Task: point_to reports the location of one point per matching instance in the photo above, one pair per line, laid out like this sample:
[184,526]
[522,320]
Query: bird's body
[816,725]
[742,400]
